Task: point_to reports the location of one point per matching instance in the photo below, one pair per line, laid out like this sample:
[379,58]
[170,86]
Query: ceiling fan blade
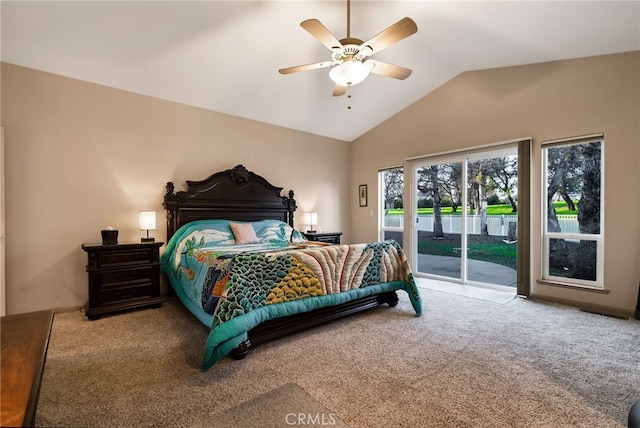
[320,32]
[398,31]
[339,90]
[306,67]
[388,70]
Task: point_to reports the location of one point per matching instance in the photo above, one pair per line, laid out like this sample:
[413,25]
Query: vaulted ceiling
[225,55]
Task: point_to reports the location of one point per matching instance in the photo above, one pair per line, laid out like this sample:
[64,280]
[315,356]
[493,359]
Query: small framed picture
[362,191]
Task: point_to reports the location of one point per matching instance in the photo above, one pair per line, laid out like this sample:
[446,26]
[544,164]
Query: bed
[235,260]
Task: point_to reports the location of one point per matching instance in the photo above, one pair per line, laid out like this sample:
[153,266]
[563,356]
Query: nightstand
[330,238]
[122,276]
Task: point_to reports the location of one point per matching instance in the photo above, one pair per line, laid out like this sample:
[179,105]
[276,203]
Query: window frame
[546,236]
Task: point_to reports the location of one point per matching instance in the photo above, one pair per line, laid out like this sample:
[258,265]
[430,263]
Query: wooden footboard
[280,327]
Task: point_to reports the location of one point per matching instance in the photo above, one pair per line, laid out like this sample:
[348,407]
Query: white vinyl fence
[497,225]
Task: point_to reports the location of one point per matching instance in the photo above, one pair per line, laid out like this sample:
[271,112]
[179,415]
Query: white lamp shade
[349,73]
[312,219]
[147,220]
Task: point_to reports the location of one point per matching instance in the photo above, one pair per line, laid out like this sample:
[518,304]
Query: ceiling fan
[348,64]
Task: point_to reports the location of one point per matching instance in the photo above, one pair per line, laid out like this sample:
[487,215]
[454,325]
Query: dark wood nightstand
[331,237]
[122,276]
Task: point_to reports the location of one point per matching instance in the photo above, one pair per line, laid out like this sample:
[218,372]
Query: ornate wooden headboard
[234,194]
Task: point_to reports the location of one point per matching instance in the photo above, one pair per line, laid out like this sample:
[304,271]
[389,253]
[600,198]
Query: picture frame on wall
[362,192]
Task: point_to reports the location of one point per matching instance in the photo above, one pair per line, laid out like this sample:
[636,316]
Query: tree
[453,184]
[429,184]
[562,162]
[589,211]
[393,187]
[438,182]
[503,172]
[565,163]
[478,183]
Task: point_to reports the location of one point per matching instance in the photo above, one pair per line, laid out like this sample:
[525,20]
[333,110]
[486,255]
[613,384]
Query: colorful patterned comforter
[233,288]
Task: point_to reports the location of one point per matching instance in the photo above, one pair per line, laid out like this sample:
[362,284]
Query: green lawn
[502,209]
[488,248]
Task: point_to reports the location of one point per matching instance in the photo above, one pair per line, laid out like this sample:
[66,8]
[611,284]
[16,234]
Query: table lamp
[147,222]
[312,220]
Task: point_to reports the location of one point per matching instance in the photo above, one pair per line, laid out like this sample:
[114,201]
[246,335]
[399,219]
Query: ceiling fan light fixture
[349,73]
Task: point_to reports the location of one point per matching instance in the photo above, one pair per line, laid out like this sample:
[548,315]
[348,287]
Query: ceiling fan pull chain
[349,102]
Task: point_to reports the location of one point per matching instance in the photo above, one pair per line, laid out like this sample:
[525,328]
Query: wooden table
[25,339]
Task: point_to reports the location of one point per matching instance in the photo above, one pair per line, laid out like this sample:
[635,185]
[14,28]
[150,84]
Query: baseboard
[589,307]
[67,309]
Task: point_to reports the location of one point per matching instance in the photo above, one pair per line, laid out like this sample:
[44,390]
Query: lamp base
[311,231]
[147,239]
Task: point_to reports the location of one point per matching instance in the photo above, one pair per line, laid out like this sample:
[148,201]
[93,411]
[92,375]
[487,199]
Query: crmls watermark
[317,419]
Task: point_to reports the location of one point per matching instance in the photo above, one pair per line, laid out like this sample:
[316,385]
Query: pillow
[298,237]
[244,233]
[276,231]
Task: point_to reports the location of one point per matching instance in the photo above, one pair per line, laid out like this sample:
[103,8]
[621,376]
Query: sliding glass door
[438,219]
[492,218]
[466,216]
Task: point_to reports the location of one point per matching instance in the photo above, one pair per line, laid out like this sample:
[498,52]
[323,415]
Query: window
[391,186]
[573,200]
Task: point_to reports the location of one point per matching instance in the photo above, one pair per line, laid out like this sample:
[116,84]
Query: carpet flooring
[286,405]
[465,363]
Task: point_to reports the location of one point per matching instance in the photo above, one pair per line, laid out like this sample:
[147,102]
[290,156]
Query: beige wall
[544,101]
[81,157]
